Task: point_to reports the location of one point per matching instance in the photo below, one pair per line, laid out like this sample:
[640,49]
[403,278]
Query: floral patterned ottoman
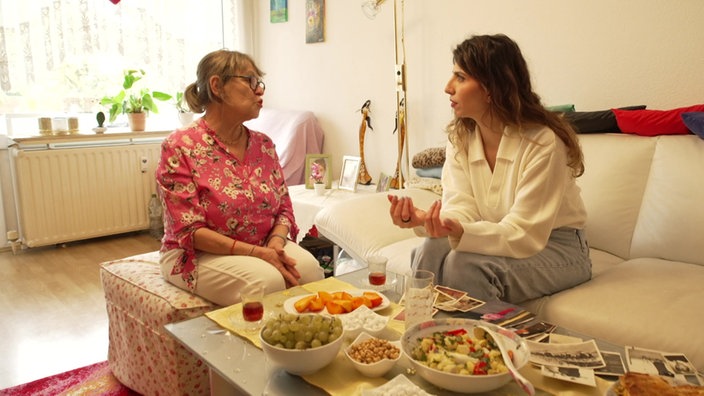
[142,355]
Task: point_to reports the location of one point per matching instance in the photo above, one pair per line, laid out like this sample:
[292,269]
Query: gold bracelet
[251,250]
[277,236]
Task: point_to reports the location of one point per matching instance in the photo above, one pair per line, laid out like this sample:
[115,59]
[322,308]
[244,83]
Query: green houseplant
[132,100]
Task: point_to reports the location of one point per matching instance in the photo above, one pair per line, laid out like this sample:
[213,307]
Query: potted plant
[185,115]
[134,102]
[100,117]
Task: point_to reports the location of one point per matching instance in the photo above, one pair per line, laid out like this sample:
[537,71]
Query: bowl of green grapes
[301,344]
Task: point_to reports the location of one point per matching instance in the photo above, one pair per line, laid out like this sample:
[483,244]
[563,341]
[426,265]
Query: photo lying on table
[614,365]
[571,374]
[584,355]
[665,364]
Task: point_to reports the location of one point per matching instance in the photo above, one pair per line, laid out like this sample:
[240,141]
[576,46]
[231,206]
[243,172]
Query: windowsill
[111,135]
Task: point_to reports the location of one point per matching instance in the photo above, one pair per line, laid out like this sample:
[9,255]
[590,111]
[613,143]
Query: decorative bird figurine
[364,177]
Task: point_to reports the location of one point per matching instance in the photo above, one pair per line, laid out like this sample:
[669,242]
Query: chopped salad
[458,352]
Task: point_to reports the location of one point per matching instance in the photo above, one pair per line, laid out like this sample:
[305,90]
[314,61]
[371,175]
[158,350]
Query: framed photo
[350,172]
[384,182]
[318,169]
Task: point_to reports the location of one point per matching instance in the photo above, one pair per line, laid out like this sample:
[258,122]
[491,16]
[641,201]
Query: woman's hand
[437,227]
[403,213]
[276,256]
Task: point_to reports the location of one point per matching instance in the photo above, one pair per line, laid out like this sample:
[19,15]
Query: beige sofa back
[643,195]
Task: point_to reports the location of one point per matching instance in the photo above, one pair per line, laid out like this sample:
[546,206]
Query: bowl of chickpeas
[372,356]
[301,344]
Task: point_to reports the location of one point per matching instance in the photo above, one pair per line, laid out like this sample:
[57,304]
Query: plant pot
[185,118]
[137,121]
[319,188]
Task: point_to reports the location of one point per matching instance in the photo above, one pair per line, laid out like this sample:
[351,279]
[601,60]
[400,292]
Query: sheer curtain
[64,55]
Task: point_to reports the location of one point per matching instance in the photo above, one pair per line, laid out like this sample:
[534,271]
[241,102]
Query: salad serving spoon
[481,331]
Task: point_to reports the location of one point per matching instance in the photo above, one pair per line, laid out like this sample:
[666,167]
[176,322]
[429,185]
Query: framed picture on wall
[278,11]
[315,21]
[350,172]
[318,170]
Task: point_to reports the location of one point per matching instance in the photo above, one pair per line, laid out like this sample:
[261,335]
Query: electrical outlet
[144,164]
[400,74]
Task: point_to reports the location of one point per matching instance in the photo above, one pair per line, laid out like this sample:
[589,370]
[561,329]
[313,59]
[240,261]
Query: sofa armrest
[361,226]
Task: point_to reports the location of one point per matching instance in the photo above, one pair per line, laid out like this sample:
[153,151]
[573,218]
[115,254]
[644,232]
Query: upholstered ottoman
[142,355]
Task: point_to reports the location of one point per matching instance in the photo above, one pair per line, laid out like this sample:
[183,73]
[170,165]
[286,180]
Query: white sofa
[645,201]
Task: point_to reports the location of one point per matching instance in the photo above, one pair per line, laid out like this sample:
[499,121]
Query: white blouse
[512,210]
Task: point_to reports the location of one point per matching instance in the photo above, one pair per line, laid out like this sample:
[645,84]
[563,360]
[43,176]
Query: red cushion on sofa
[654,122]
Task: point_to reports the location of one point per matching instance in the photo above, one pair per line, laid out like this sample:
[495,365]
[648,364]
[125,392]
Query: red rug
[94,380]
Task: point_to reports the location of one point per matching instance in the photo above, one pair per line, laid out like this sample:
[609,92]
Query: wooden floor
[53,308]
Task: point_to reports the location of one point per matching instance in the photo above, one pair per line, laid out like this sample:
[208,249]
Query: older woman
[227,214]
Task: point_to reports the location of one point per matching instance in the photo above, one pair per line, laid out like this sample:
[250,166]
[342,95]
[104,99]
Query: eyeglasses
[254,81]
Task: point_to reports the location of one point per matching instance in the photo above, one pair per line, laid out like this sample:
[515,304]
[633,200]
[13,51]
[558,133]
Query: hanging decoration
[363,177]
[371,9]
[401,102]
[397,178]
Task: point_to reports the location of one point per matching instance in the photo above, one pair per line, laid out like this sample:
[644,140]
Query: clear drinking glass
[419,297]
[377,270]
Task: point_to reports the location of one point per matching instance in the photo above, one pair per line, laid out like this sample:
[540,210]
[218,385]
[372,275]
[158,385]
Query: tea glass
[377,270]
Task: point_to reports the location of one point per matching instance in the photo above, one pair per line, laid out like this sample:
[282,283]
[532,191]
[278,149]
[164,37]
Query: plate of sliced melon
[335,303]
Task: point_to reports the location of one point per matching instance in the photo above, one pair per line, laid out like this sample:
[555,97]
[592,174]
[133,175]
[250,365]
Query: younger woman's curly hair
[497,63]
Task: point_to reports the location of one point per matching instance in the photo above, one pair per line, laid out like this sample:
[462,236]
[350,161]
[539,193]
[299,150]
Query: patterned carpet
[94,380]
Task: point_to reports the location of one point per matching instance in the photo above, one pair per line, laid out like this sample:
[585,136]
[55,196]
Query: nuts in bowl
[371,356]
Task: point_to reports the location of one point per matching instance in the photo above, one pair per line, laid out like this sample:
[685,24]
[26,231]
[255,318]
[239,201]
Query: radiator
[71,194]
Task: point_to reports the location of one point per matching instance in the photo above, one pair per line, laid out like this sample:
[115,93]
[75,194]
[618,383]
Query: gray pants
[563,263]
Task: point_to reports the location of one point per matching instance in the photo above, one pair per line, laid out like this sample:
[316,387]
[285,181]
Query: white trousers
[221,278]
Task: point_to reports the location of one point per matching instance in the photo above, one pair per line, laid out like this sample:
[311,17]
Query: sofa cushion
[654,122]
[596,121]
[429,158]
[563,108]
[399,254]
[616,171]
[671,222]
[361,226]
[645,302]
[694,122]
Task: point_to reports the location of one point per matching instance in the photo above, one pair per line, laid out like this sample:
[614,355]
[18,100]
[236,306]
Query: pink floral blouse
[203,185]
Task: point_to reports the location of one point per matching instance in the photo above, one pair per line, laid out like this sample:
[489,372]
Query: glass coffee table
[238,367]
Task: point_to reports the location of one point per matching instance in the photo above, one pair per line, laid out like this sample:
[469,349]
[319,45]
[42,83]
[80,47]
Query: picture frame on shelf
[350,172]
[384,182]
[318,166]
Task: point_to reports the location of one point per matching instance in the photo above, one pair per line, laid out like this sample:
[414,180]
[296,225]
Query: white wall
[597,55]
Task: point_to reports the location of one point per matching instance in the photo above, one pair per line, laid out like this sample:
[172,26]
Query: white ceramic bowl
[458,382]
[365,320]
[376,369]
[301,362]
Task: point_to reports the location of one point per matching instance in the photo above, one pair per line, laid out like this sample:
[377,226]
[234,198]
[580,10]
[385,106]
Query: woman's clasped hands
[274,254]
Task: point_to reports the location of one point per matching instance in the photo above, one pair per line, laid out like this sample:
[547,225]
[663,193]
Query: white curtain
[64,55]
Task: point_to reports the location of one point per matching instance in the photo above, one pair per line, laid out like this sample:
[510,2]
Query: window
[60,57]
